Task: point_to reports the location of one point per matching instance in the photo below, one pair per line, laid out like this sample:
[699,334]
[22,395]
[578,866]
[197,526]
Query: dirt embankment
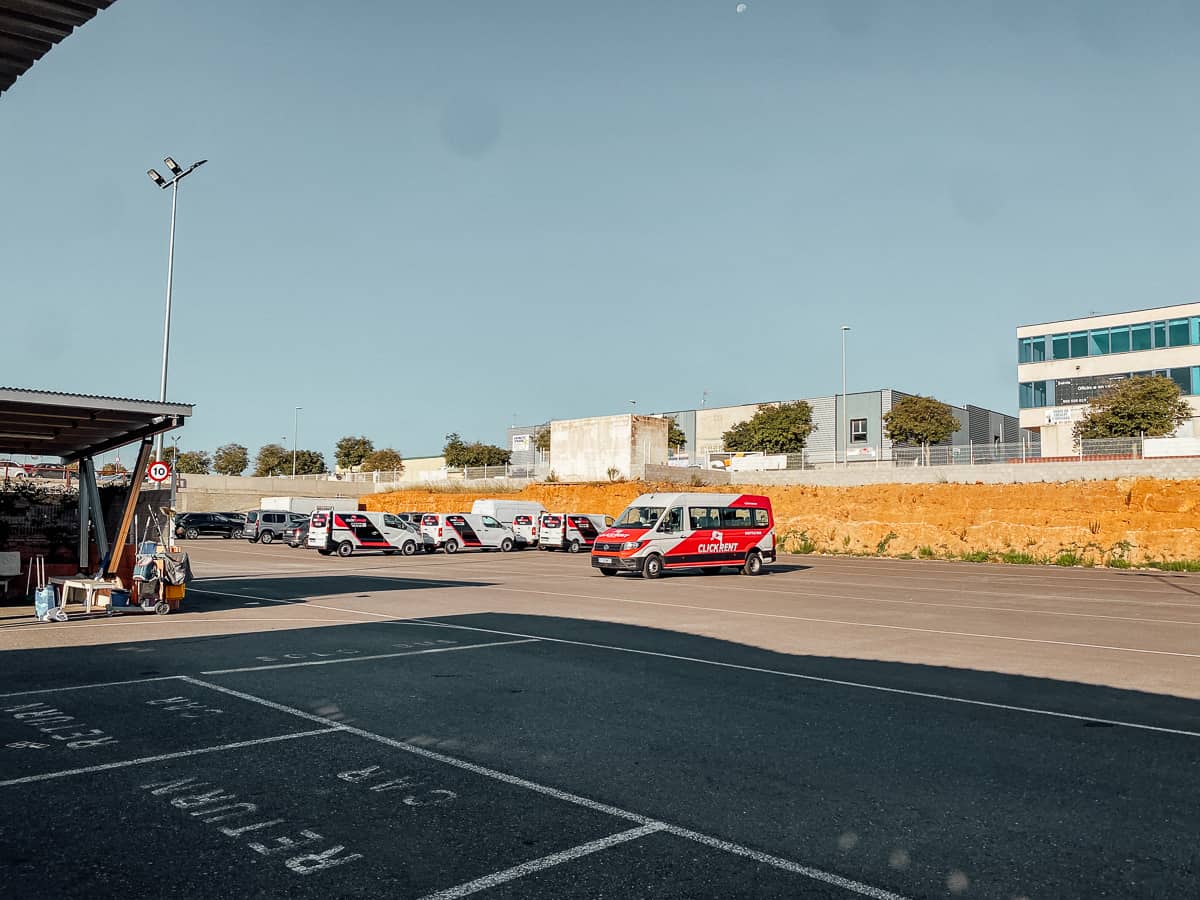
[1096,522]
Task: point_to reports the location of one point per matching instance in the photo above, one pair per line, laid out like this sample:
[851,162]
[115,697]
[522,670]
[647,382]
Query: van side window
[672,521]
[490,522]
[703,518]
[392,522]
[736,518]
[761,519]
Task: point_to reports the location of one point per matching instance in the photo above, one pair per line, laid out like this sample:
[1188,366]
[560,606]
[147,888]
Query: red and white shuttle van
[663,532]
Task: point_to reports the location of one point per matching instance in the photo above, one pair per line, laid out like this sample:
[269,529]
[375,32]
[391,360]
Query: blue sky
[429,217]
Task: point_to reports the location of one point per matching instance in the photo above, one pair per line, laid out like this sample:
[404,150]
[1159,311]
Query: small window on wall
[858,431]
[1098,345]
[1160,334]
[1037,349]
[1178,333]
[1079,344]
[1060,344]
[1183,378]
[1140,337]
[1024,350]
[1119,340]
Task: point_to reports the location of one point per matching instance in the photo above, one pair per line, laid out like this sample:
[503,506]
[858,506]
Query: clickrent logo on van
[719,547]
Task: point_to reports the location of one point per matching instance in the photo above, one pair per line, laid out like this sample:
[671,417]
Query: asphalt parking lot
[517,726]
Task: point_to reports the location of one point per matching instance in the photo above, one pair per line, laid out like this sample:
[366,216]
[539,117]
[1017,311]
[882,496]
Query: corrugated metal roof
[30,391]
[29,28]
[71,426]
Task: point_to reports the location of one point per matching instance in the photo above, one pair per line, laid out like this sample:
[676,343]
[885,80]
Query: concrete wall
[585,449]
[235,493]
[866,473]
[711,424]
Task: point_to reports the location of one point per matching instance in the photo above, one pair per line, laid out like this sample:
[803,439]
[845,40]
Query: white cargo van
[466,531]
[571,531]
[525,530]
[505,511]
[306,506]
[345,533]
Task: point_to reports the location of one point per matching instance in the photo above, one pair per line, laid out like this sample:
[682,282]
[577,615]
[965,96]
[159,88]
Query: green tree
[168,454]
[385,460]
[920,421]
[542,441]
[676,439]
[230,459]
[351,451]
[272,459]
[779,428]
[113,468]
[1144,404]
[308,462]
[459,454]
[193,462]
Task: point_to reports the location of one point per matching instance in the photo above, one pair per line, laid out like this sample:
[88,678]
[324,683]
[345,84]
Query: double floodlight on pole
[178,173]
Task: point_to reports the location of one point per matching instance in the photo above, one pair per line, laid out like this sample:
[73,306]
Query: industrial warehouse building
[854,433]
[1062,365]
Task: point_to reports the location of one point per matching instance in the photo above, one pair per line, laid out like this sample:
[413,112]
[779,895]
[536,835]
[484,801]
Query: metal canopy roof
[73,426]
[29,28]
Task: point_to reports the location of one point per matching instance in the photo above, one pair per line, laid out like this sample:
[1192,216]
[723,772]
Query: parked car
[195,525]
[236,516]
[296,535]
[268,525]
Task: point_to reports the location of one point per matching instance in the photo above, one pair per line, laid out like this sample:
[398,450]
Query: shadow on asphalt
[848,759]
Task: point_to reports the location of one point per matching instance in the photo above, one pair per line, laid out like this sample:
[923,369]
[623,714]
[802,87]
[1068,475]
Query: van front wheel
[506,545]
[409,548]
[754,564]
[653,566]
[451,546]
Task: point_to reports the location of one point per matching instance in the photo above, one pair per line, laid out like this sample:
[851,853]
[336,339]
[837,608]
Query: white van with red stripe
[571,531]
[346,533]
[662,532]
[466,531]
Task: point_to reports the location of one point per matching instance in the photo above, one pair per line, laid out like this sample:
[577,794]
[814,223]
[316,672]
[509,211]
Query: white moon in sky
[741,8]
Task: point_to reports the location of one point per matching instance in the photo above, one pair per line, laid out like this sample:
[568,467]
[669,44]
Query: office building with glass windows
[1062,365]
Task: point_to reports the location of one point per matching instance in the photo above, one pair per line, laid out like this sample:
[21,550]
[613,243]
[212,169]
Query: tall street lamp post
[845,428]
[177,175]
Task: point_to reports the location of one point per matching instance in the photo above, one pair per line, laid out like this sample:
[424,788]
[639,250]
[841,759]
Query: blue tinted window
[1098,342]
[1140,337]
[1023,350]
[1160,334]
[1079,344]
[1119,339]
[1033,394]
[1060,344]
[1178,333]
[1183,378]
[1037,349]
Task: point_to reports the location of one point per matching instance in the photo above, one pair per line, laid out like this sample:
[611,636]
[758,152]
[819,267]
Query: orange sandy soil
[1136,519]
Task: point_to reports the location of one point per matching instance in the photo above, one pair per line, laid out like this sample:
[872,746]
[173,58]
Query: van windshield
[640,517]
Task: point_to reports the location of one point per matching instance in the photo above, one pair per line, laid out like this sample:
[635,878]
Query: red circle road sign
[159,471]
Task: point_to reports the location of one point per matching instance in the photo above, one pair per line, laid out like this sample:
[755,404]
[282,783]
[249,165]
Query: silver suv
[267,525]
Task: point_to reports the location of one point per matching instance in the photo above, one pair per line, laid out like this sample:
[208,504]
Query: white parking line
[817,678]
[103,767]
[84,687]
[818,620]
[545,862]
[354,659]
[864,890]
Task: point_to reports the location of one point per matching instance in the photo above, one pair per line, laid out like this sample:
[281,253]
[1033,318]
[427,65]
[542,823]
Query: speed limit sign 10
[159,471]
